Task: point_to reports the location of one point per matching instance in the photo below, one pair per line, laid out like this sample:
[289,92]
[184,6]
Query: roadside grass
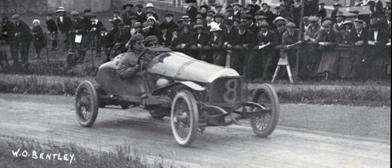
[122,157]
[358,95]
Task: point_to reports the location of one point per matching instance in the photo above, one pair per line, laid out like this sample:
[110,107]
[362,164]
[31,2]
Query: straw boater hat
[290,25]
[60,9]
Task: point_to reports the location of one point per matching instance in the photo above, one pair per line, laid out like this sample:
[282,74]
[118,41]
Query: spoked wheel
[264,124]
[86,104]
[184,118]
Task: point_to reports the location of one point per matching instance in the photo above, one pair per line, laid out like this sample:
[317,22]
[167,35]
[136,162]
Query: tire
[184,112]
[261,127]
[86,104]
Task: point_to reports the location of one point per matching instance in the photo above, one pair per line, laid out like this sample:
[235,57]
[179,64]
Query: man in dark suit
[23,37]
[96,29]
[64,24]
[377,56]
[322,13]
[52,29]
[200,39]
[266,57]
[7,37]
[140,15]
[127,13]
[241,48]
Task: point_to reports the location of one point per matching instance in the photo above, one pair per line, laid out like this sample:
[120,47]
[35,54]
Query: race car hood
[182,67]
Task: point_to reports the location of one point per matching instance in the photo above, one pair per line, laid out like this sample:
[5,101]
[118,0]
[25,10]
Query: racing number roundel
[230,95]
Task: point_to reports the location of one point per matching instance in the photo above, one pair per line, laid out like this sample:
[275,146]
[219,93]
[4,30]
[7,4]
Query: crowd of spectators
[332,45]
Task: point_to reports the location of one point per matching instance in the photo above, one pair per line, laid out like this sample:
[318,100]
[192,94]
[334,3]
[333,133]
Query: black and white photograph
[195,83]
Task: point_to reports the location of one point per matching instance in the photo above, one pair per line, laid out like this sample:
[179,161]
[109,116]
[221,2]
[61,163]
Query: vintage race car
[193,93]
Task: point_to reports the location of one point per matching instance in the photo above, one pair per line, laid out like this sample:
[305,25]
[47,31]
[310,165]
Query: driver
[127,65]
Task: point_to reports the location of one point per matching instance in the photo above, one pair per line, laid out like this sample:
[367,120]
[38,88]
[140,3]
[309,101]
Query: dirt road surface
[307,136]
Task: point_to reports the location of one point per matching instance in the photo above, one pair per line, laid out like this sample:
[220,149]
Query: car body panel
[180,66]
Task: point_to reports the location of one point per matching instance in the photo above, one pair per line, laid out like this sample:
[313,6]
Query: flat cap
[196,26]
[291,25]
[264,24]
[74,13]
[15,16]
[327,23]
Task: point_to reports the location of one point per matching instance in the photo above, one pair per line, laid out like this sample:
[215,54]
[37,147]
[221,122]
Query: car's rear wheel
[86,104]
[264,124]
[184,118]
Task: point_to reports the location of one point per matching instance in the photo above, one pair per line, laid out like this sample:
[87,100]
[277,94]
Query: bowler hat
[127,5]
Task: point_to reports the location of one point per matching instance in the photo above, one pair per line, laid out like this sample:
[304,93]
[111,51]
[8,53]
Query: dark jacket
[202,39]
[245,41]
[230,36]
[141,17]
[271,37]
[23,31]
[8,31]
[65,25]
[216,42]
[51,26]
[170,26]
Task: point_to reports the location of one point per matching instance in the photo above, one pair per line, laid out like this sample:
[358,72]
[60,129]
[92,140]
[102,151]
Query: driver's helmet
[151,41]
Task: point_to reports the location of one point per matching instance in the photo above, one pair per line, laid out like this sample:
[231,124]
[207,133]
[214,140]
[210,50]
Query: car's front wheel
[264,124]
[184,118]
[86,104]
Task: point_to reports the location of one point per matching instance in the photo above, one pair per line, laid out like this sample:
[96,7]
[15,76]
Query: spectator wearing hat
[203,10]
[290,36]
[127,13]
[218,9]
[376,60]
[115,19]
[184,40]
[200,40]
[229,13]
[347,59]
[79,29]
[267,56]
[241,48]
[39,40]
[230,33]
[248,20]
[311,55]
[256,7]
[280,26]
[169,23]
[23,38]
[338,25]
[348,32]
[7,38]
[64,24]
[140,14]
[335,11]
[322,12]
[219,21]
[266,11]
[96,30]
[191,11]
[121,36]
[328,67]
[216,42]
[52,30]
[237,10]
